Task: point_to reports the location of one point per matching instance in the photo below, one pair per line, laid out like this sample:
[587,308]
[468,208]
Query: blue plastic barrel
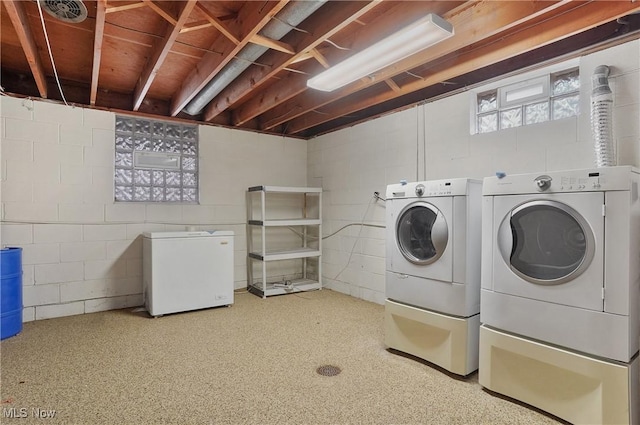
[10,292]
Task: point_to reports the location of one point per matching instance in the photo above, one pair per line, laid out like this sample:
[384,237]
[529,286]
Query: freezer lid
[194,234]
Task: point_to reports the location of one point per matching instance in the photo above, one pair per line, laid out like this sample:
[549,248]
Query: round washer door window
[551,242]
[421,233]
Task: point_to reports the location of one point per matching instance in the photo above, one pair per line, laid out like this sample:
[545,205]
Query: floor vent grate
[328,370]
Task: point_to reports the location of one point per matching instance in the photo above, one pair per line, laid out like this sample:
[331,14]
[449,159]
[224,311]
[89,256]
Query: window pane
[488,102]
[157,194]
[123,177]
[172,146]
[158,129]
[188,163]
[143,126]
[566,107]
[124,159]
[173,130]
[157,145]
[158,178]
[189,179]
[124,125]
[142,143]
[488,123]
[189,195]
[566,83]
[124,142]
[141,177]
[189,148]
[511,118]
[124,193]
[538,112]
[173,178]
[190,133]
[173,194]
[142,193]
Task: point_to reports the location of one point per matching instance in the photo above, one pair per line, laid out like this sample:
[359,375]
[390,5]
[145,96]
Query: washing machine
[433,271]
[561,279]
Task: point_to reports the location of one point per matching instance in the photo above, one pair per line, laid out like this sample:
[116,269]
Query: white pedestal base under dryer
[574,387]
[446,341]
[433,271]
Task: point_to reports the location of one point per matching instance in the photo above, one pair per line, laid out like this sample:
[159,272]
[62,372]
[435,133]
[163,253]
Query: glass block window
[155,161]
[551,97]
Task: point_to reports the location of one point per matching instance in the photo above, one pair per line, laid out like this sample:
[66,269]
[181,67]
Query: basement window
[155,161]
[550,97]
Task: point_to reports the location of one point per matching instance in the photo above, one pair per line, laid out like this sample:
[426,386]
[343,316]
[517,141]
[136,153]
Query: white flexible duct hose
[601,117]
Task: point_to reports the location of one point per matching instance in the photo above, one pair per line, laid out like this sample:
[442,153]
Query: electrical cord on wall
[46,38]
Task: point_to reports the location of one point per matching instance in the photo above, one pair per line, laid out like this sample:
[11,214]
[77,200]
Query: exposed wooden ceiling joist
[101,8]
[23,29]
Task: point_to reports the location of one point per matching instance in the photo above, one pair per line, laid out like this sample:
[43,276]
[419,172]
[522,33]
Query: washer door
[421,233]
[546,242]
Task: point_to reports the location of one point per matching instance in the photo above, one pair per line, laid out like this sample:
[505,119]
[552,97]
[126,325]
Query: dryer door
[547,249]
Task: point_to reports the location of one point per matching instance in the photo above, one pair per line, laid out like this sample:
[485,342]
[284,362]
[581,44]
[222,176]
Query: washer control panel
[432,188]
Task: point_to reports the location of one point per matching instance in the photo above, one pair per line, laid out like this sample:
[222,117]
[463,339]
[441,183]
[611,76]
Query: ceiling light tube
[410,40]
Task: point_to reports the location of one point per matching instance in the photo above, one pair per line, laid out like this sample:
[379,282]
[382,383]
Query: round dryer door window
[551,242]
[421,233]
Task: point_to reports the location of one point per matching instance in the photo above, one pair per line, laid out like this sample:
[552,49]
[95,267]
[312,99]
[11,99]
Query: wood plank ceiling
[158,57]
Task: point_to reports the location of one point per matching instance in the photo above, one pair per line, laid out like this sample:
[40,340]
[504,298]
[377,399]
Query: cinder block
[12,107]
[99,156]
[17,150]
[76,136]
[16,234]
[30,212]
[55,193]
[28,275]
[105,269]
[41,253]
[31,130]
[130,212]
[83,290]
[28,314]
[81,213]
[82,251]
[104,138]
[75,174]
[41,295]
[164,213]
[60,154]
[104,232]
[126,249]
[134,267]
[56,113]
[103,175]
[126,286]
[112,303]
[94,118]
[59,310]
[98,193]
[47,233]
[57,273]
[135,231]
[17,192]
[45,172]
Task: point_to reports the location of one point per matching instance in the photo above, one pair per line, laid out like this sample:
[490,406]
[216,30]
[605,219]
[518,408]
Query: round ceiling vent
[73,11]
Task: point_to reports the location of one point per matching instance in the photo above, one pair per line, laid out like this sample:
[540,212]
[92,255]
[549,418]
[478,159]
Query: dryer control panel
[588,180]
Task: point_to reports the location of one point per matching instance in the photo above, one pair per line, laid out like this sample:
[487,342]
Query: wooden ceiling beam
[559,26]
[121,6]
[101,10]
[472,22]
[161,9]
[160,51]
[273,44]
[20,22]
[252,17]
[218,24]
[325,22]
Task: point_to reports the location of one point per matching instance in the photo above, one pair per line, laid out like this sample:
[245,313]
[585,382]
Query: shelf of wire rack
[284,232]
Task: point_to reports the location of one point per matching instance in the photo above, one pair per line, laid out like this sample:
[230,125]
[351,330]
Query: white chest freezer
[185,271]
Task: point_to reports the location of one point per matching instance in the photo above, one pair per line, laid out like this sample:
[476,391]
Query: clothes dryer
[560,291]
[433,271]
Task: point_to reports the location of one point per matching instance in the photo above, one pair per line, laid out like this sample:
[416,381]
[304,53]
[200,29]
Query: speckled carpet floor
[252,363]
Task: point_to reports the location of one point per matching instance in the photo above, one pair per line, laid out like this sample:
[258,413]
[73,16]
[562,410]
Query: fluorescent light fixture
[410,40]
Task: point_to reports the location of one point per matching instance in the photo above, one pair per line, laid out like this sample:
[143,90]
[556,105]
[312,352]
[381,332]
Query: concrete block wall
[81,251]
[433,141]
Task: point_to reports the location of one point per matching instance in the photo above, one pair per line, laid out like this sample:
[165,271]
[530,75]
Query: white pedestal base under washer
[433,271]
